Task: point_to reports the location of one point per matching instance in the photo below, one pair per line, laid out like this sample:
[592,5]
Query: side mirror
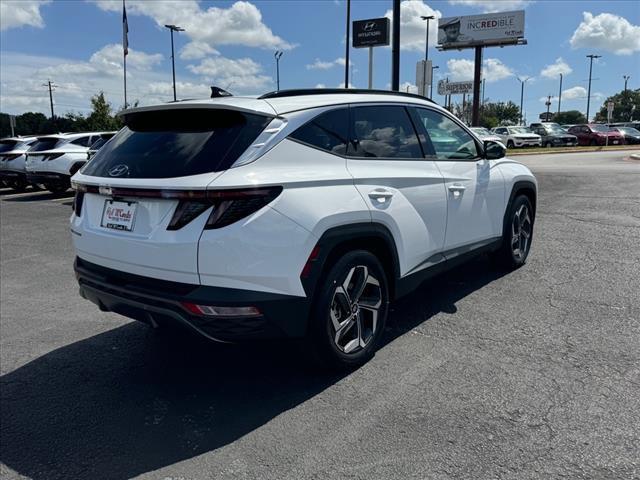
[494,150]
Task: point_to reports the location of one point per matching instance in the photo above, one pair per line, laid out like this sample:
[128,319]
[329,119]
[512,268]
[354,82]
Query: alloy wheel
[354,310]
[521,229]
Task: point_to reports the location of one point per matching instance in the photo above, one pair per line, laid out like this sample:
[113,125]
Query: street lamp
[560,95]
[626,79]
[277,56]
[432,69]
[173,28]
[428,18]
[522,82]
[590,57]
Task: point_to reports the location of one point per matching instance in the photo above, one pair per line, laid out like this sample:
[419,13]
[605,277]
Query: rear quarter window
[328,131]
[177,143]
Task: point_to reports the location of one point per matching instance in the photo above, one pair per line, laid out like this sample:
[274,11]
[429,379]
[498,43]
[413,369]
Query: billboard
[454,88]
[371,33]
[501,28]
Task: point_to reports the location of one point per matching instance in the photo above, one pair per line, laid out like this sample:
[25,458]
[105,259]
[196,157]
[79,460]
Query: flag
[125,30]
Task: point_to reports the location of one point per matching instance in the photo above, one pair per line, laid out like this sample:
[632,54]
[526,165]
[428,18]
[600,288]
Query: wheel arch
[521,187]
[336,241]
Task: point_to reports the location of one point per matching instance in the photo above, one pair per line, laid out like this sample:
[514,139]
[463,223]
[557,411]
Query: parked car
[12,162]
[596,134]
[53,159]
[485,135]
[517,137]
[99,143]
[552,135]
[631,135]
[297,213]
[635,125]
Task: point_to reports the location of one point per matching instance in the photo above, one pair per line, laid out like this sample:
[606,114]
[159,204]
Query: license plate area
[118,215]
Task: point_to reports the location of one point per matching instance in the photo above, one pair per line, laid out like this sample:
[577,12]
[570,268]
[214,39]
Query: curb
[634,156]
[572,150]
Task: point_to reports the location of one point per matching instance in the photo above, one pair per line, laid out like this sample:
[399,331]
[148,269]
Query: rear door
[404,191]
[144,204]
[475,188]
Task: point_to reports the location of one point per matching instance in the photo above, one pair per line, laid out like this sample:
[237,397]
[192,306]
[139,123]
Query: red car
[596,134]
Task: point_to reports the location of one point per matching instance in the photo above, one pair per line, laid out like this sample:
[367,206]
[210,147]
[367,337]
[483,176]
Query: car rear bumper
[47,177]
[159,302]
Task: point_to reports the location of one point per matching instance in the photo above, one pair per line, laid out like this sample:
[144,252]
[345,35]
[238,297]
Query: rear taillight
[53,156]
[76,206]
[233,205]
[229,206]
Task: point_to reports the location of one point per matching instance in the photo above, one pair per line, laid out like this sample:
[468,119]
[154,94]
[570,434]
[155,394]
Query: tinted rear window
[177,143]
[7,145]
[45,144]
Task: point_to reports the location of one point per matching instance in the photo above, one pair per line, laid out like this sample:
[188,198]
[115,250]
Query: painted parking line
[63,199]
[25,194]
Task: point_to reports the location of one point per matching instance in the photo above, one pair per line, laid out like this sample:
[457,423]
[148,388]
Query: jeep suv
[298,214]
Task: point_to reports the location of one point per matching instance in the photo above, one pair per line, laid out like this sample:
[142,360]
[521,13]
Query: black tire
[18,185]
[510,144]
[512,255]
[593,143]
[548,145]
[327,349]
[56,187]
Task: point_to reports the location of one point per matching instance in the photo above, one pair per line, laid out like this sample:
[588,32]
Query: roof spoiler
[219,92]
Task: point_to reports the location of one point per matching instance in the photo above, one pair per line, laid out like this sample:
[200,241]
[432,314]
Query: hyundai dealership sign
[501,28]
[371,33]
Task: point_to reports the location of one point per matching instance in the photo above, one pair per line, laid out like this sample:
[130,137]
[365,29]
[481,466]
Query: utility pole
[477,80]
[51,88]
[347,46]
[590,57]
[626,79]
[173,28]
[431,86]
[522,82]
[395,47]
[277,56]
[560,94]
[426,54]
[548,104]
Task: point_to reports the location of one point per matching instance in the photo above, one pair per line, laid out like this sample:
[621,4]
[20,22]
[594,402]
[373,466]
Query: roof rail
[326,91]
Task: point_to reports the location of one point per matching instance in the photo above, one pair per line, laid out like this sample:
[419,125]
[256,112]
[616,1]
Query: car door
[475,187]
[404,190]
[502,133]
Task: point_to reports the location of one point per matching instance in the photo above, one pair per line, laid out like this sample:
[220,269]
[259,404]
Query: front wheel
[350,312]
[510,144]
[517,235]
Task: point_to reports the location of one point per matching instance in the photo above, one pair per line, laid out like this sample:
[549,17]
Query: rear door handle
[456,187]
[380,195]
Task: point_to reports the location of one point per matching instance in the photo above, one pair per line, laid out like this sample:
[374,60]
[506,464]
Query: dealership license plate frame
[123,227]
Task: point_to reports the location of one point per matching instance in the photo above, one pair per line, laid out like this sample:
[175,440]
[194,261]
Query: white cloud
[492,69]
[408,87]
[413,28]
[320,85]
[326,65]
[608,32]
[488,6]
[242,74]
[240,24]
[351,85]
[197,50]
[14,14]
[573,93]
[555,69]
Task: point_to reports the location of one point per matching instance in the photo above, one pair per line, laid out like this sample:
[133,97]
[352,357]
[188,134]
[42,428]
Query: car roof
[17,139]
[278,103]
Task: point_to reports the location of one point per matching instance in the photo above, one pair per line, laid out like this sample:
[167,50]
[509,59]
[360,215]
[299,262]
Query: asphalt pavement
[529,374]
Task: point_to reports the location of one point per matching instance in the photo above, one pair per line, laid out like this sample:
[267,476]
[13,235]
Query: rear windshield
[177,143]
[7,145]
[45,144]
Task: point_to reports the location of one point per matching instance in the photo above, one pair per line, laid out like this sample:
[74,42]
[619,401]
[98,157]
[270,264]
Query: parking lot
[530,374]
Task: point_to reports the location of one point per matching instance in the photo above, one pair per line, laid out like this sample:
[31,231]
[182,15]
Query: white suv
[12,160]
[53,159]
[518,137]
[299,214]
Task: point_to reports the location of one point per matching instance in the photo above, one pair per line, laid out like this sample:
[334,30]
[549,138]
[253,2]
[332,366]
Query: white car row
[512,137]
[48,161]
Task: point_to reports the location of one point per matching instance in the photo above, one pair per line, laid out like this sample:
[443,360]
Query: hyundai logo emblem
[369,26]
[118,170]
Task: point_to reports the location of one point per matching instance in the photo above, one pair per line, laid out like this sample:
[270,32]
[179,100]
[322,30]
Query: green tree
[569,117]
[626,107]
[101,117]
[493,114]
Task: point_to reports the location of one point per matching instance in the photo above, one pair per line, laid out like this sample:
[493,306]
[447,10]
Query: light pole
[277,56]
[431,86]
[173,28]
[590,57]
[560,94]
[522,82]
[626,79]
[428,18]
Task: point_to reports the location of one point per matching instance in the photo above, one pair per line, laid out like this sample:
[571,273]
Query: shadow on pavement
[130,401]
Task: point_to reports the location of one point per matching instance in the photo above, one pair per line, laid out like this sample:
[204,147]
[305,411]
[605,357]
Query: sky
[77,44]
